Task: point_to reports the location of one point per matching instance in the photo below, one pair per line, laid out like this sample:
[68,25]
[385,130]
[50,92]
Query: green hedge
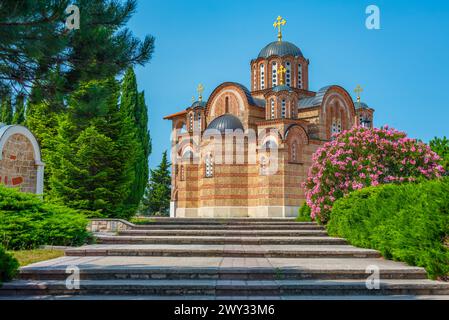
[408,222]
[26,222]
[304,214]
[8,266]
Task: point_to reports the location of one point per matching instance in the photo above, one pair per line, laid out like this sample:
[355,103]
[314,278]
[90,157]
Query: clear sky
[403,68]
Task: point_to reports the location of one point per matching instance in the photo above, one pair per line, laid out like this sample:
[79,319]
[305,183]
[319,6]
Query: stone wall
[109,225]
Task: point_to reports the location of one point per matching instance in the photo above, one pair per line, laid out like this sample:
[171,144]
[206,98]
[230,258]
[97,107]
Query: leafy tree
[94,153]
[441,147]
[7,110]
[134,108]
[35,42]
[19,112]
[157,195]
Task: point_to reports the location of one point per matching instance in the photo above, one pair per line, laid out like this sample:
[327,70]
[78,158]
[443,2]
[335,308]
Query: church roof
[313,101]
[280,48]
[281,88]
[200,104]
[224,122]
[361,105]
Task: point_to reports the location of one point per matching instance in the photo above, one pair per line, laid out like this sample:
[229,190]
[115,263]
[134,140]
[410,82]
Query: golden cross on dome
[281,72]
[278,24]
[358,90]
[200,90]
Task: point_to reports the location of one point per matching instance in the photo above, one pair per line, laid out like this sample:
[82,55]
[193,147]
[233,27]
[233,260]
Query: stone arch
[296,138]
[20,158]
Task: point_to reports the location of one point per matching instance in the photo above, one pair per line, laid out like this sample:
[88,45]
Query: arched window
[191,122]
[274,74]
[300,76]
[227,105]
[336,126]
[284,109]
[294,152]
[272,109]
[198,119]
[288,72]
[209,166]
[255,78]
[262,76]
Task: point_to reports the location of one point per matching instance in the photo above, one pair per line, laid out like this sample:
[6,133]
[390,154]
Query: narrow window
[272,108]
[191,122]
[198,119]
[181,175]
[274,76]
[288,71]
[263,166]
[300,76]
[283,113]
[294,150]
[227,105]
[262,76]
[209,166]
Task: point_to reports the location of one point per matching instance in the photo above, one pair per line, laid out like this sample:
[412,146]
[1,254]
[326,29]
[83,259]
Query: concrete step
[246,226]
[233,221]
[225,233]
[106,239]
[226,287]
[181,250]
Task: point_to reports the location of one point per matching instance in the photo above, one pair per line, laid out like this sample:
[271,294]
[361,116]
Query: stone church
[283,123]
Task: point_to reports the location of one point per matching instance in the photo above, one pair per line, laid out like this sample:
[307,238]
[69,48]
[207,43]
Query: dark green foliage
[35,42]
[157,195]
[408,222]
[132,105]
[93,153]
[441,147]
[7,112]
[27,222]
[9,266]
[304,213]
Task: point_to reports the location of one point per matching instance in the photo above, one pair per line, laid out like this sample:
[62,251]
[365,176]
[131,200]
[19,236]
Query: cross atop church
[358,90]
[281,72]
[200,90]
[278,24]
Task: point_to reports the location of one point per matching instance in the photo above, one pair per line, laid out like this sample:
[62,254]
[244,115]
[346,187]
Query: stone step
[226,287]
[182,250]
[290,226]
[113,267]
[106,239]
[205,221]
[225,233]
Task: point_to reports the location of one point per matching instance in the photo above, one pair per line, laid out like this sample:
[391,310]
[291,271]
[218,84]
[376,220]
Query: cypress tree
[134,108]
[7,110]
[19,112]
[157,194]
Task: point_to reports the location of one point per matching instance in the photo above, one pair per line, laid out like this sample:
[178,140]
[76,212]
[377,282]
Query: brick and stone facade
[283,123]
[20,159]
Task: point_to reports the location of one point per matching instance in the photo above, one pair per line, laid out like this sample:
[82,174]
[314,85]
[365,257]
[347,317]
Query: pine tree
[93,154]
[19,112]
[7,110]
[134,108]
[157,195]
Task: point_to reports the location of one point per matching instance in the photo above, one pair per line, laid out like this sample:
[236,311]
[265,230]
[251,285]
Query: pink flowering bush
[363,157]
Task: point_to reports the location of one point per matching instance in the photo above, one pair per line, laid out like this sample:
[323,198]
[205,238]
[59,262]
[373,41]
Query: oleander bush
[441,147]
[26,222]
[407,222]
[8,266]
[363,157]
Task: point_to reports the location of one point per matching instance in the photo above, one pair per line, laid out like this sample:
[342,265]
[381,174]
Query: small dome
[196,104]
[360,105]
[225,122]
[280,48]
[281,88]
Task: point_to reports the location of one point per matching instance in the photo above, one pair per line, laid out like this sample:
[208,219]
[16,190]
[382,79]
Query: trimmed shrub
[304,214]
[363,157]
[26,222]
[408,222]
[441,147]
[8,266]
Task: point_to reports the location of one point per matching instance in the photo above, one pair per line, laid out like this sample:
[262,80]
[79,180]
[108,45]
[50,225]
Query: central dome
[225,122]
[280,48]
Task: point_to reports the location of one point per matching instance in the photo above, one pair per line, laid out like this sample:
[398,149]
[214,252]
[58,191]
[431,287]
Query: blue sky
[403,68]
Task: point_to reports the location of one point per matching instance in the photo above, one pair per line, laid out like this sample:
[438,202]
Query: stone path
[218,259]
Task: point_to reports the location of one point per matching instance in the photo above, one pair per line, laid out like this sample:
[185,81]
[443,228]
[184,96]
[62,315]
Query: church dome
[280,48]
[225,122]
[282,87]
[197,104]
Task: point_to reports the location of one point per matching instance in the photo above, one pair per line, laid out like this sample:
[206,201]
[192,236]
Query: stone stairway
[218,259]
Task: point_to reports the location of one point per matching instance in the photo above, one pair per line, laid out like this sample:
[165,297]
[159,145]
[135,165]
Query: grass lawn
[26,257]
